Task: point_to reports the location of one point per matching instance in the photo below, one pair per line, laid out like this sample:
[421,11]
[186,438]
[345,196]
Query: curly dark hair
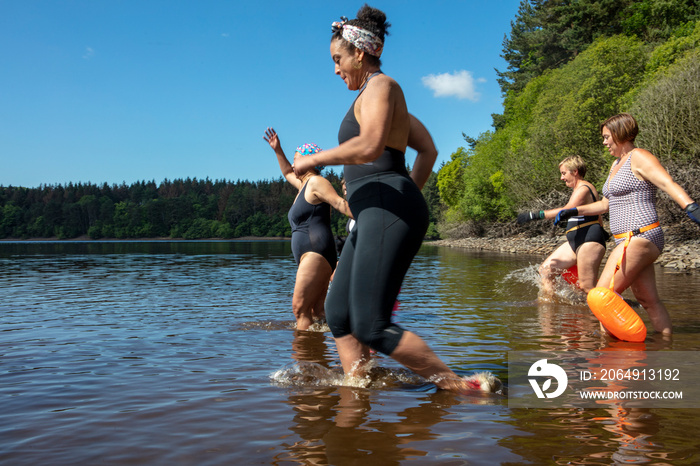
[371,19]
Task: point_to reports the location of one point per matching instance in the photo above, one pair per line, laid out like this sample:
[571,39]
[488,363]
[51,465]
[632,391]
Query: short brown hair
[622,126]
[575,162]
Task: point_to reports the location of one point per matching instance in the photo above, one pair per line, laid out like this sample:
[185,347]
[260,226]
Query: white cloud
[225,35]
[460,84]
[89,53]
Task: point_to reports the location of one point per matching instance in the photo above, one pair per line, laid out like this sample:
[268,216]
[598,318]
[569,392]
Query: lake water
[185,353]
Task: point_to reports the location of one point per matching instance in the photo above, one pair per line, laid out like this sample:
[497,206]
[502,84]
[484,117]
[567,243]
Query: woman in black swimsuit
[586,238]
[313,245]
[390,212]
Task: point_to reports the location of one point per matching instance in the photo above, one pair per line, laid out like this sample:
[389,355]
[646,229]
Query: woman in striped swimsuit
[630,198]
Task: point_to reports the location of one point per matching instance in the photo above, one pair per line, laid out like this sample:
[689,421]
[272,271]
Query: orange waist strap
[638,230]
[628,236]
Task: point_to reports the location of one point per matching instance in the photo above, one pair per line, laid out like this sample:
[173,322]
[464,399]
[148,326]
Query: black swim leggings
[392,219]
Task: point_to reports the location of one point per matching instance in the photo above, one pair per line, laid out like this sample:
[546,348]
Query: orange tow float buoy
[570,275]
[613,312]
[616,315]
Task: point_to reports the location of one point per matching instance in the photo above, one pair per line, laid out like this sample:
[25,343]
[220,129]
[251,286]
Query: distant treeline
[188,209]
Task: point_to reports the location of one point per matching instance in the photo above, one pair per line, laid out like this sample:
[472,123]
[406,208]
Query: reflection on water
[186,353]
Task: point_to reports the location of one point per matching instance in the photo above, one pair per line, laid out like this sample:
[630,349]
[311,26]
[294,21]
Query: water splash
[306,374]
[373,376]
[483,382]
[318,326]
[564,293]
[311,374]
[264,325]
[527,275]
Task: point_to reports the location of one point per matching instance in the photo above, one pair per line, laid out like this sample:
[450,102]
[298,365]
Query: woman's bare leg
[637,272]
[561,259]
[588,259]
[414,353]
[310,288]
[644,289]
[353,355]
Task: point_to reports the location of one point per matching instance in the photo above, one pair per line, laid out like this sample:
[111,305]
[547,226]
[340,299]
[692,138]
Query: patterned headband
[361,38]
[310,149]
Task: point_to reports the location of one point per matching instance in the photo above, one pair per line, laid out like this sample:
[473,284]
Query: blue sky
[129,90]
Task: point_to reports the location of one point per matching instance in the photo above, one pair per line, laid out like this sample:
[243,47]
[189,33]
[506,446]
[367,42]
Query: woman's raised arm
[287,169]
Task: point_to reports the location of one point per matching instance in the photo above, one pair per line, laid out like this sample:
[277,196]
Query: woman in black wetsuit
[586,238]
[390,212]
[313,245]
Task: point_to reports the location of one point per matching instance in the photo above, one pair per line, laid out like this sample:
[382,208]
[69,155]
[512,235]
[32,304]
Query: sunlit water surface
[186,353]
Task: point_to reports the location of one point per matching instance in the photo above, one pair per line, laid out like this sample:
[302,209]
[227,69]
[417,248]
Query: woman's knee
[300,307]
[586,282]
[364,331]
[646,295]
[337,322]
[304,302]
[545,268]
[337,312]
[380,338]
[367,331]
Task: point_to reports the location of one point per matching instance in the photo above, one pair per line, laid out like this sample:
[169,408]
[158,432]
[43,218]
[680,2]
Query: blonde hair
[574,162]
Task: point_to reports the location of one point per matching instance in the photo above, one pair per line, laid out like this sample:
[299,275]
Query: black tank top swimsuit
[391,160]
[311,229]
[593,232]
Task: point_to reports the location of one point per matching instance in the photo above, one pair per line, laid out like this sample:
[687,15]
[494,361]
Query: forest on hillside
[571,65]
[187,209]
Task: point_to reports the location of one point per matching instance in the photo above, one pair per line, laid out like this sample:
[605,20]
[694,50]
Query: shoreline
[683,256]
[87,239]
[677,255]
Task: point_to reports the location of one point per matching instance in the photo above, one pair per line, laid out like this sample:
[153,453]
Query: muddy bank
[679,255]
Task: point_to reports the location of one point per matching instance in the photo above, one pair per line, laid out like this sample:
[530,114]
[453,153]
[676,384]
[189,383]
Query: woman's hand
[565,214]
[524,217]
[693,212]
[272,139]
[287,169]
[303,165]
